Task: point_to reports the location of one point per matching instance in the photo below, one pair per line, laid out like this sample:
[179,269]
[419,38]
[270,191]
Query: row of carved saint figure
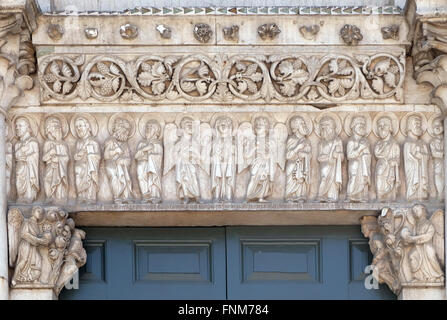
[223,149]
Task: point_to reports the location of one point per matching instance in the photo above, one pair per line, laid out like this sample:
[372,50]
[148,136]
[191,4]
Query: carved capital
[407,246]
[17,60]
[45,248]
[430,57]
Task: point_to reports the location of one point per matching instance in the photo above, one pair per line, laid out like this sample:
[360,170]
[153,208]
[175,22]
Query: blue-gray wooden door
[225,263]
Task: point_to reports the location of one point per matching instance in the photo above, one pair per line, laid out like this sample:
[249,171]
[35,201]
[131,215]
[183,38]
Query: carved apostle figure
[28,263]
[298,155]
[8,159]
[437,152]
[86,165]
[387,153]
[117,160]
[359,161]
[55,156]
[330,157]
[26,152]
[422,256]
[149,158]
[416,156]
[223,160]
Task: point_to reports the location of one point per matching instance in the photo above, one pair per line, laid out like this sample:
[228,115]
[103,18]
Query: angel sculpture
[187,154]
[42,248]
[261,149]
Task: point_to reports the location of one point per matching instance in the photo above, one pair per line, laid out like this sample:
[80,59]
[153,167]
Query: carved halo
[220,115]
[143,121]
[430,123]
[62,120]
[348,121]
[403,122]
[306,119]
[331,115]
[391,116]
[123,116]
[271,119]
[31,121]
[90,119]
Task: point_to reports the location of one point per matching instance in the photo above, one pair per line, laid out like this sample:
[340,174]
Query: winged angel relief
[194,146]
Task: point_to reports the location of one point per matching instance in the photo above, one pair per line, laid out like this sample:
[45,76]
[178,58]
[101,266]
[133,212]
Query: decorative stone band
[408,248]
[290,78]
[327,10]
[156,159]
[45,248]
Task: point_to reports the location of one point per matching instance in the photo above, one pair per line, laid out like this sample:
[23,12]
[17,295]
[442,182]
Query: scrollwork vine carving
[197,77]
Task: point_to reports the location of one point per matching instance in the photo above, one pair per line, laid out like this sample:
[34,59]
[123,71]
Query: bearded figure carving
[118,158]
[436,129]
[87,157]
[26,152]
[56,157]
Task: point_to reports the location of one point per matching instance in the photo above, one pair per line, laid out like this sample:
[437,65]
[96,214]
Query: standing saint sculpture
[359,157]
[117,157]
[86,157]
[330,157]
[416,155]
[149,157]
[8,158]
[223,159]
[26,152]
[436,129]
[387,153]
[261,148]
[56,157]
[184,154]
[298,155]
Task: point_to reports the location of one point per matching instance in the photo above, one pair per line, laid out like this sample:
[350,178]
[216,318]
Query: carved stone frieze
[222,78]
[205,157]
[45,249]
[407,247]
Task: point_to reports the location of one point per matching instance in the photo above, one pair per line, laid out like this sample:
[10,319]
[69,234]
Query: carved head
[368,225]
[261,126]
[53,129]
[419,212]
[327,128]
[22,127]
[384,127]
[121,129]
[82,128]
[438,127]
[37,213]
[70,223]
[358,126]
[153,129]
[298,126]
[224,126]
[414,125]
[186,125]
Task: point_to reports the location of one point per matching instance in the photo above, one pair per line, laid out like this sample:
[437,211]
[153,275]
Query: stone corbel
[408,251]
[45,251]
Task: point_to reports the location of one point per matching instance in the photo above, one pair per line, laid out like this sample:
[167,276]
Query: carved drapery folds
[221,78]
[407,247]
[319,156]
[45,249]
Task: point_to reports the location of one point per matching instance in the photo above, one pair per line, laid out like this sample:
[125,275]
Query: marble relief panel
[226,157]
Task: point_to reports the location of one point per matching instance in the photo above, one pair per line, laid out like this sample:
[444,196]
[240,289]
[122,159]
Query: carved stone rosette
[45,249]
[240,78]
[407,247]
